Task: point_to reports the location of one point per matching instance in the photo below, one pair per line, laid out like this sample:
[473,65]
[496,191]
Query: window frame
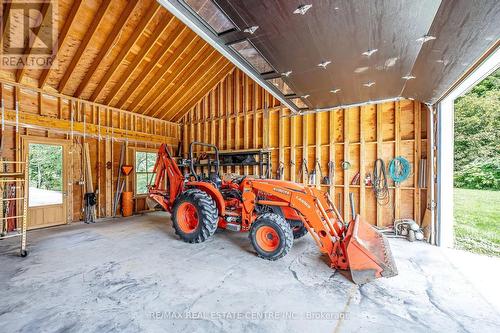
[136,172]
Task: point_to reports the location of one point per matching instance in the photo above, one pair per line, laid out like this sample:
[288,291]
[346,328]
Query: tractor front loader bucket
[368,253]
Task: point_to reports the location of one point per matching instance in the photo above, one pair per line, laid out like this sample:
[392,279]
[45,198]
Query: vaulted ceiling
[320,54]
[133,55]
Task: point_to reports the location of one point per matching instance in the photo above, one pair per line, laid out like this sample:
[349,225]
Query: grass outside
[477,221]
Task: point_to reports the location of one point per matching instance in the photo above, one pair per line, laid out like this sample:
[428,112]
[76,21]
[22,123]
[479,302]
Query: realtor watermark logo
[29,33]
[247,315]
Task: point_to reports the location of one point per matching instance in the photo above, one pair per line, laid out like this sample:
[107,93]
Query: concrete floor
[133,275]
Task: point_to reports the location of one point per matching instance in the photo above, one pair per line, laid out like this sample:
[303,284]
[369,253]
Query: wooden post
[379,154]
[108,178]
[305,152]
[331,151]
[397,151]
[255,124]
[346,210]
[293,151]
[362,162]
[318,148]
[416,160]
[228,108]
[246,134]
[281,139]
[236,107]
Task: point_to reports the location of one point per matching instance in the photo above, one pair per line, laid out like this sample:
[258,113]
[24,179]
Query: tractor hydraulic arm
[355,246]
[318,216]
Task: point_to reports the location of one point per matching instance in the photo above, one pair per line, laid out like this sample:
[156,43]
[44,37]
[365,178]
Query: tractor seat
[214,178]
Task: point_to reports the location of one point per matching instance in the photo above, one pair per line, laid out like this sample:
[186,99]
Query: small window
[254,58]
[282,86]
[45,168]
[211,14]
[144,175]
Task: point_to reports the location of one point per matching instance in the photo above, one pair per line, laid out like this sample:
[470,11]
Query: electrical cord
[399,169]
[380,187]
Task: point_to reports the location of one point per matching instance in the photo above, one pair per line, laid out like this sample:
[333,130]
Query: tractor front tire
[271,236]
[298,228]
[194,216]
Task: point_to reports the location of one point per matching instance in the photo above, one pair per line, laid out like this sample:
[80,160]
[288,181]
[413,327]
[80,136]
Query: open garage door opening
[477,168]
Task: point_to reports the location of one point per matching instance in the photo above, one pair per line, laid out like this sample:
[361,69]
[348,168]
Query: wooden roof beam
[216,78]
[189,65]
[151,42]
[193,70]
[188,38]
[60,40]
[110,41]
[96,22]
[178,33]
[5,18]
[27,51]
[183,106]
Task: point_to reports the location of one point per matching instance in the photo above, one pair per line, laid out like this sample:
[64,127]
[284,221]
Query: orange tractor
[274,212]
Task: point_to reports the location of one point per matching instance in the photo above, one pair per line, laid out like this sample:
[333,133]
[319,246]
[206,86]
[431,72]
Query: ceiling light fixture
[251,30]
[302,10]
[335,90]
[425,38]
[324,64]
[408,77]
[286,74]
[369,52]
[369,84]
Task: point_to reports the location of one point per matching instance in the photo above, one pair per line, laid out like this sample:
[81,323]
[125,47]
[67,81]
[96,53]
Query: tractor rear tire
[271,236]
[194,216]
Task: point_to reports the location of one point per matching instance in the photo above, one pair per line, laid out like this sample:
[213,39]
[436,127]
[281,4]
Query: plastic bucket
[127,204]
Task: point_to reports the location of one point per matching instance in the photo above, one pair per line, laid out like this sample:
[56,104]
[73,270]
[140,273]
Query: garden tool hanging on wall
[303,171]
[280,170]
[328,180]
[312,176]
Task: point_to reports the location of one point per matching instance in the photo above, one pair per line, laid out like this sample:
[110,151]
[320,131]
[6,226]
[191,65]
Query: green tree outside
[477,136]
[45,167]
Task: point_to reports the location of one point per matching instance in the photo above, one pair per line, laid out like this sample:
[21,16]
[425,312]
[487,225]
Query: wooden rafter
[216,77]
[188,66]
[60,40]
[205,69]
[155,60]
[193,69]
[157,33]
[201,68]
[5,18]
[83,45]
[6,13]
[107,46]
[188,39]
[27,51]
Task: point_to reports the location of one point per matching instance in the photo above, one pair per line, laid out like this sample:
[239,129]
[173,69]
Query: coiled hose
[399,169]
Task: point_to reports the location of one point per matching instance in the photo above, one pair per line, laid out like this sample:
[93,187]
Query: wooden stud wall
[55,116]
[241,115]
